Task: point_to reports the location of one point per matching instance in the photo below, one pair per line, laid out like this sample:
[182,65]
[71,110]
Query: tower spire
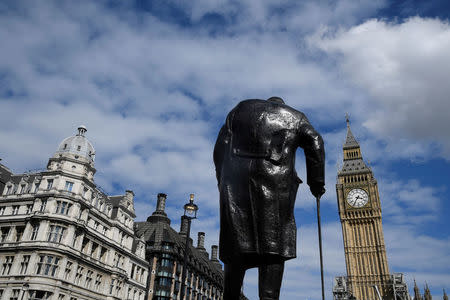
[445,295]
[350,141]
[417,295]
[427,294]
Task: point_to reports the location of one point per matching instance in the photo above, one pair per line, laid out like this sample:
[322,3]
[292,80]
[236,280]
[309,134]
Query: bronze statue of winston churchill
[254,157]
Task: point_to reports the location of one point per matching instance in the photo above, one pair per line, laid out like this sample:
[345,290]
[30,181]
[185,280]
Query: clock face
[357,198]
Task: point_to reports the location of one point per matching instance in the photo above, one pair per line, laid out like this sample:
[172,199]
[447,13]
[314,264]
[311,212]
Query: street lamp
[190,212]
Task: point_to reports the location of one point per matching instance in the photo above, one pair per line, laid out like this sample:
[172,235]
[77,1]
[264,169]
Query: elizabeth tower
[360,214]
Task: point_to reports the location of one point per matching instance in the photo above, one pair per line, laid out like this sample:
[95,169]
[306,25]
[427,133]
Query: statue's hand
[317,190]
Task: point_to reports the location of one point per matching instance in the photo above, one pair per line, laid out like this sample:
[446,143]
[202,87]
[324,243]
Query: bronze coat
[254,157]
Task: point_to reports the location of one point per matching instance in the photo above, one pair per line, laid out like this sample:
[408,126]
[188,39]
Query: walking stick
[320,245]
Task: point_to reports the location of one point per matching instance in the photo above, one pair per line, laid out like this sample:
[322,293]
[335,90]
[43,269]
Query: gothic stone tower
[360,213]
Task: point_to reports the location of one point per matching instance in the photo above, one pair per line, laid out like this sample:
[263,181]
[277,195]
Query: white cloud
[404,69]
[153,97]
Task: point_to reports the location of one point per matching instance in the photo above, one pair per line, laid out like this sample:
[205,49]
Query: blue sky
[154,80]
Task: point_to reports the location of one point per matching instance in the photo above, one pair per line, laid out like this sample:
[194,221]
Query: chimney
[159,215]
[161,204]
[184,225]
[129,195]
[201,240]
[214,257]
[214,251]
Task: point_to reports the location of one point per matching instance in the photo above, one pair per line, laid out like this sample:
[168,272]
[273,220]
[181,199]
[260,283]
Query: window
[68,270]
[4,233]
[133,267]
[9,190]
[47,265]
[94,248]
[61,297]
[43,205]
[34,231]
[2,210]
[98,282]
[69,186]
[118,287]
[103,253]
[167,246]
[24,264]
[19,232]
[164,281]
[15,209]
[78,148]
[22,188]
[111,286]
[84,192]
[79,274]
[85,245]
[36,186]
[118,260]
[166,262]
[75,238]
[15,294]
[62,207]
[41,295]
[88,279]
[29,208]
[139,274]
[7,265]
[55,233]
[49,183]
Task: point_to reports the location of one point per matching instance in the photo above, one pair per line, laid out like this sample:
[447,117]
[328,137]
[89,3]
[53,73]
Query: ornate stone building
[165,253]
[63,238]
[359,205]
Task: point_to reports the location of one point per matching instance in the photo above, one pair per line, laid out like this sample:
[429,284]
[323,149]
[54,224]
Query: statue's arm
[219,149]
[312,144]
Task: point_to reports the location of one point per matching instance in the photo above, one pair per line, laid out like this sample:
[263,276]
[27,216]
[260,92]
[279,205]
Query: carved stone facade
[63,238]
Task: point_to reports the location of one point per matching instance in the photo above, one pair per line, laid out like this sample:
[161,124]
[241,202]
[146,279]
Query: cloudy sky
[153,82]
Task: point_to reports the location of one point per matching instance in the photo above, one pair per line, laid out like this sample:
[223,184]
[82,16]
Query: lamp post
[190,212]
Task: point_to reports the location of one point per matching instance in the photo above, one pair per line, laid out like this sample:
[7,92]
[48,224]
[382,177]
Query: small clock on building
[357,198]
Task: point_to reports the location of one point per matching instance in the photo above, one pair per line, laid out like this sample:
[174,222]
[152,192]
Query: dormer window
[22,188]
[9,190]
[36,187]
[79,148]
[65,147]
[49,183]
[69,185]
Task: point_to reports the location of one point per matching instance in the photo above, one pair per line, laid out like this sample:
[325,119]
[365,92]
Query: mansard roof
[159,233]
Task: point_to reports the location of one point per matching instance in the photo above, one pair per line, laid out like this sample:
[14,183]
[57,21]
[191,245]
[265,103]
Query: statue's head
[276,100]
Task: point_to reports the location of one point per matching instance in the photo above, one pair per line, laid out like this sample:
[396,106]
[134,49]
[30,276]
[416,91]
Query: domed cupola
[77,146]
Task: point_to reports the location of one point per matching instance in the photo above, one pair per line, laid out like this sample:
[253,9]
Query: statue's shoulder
[250,102]
[260,104]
